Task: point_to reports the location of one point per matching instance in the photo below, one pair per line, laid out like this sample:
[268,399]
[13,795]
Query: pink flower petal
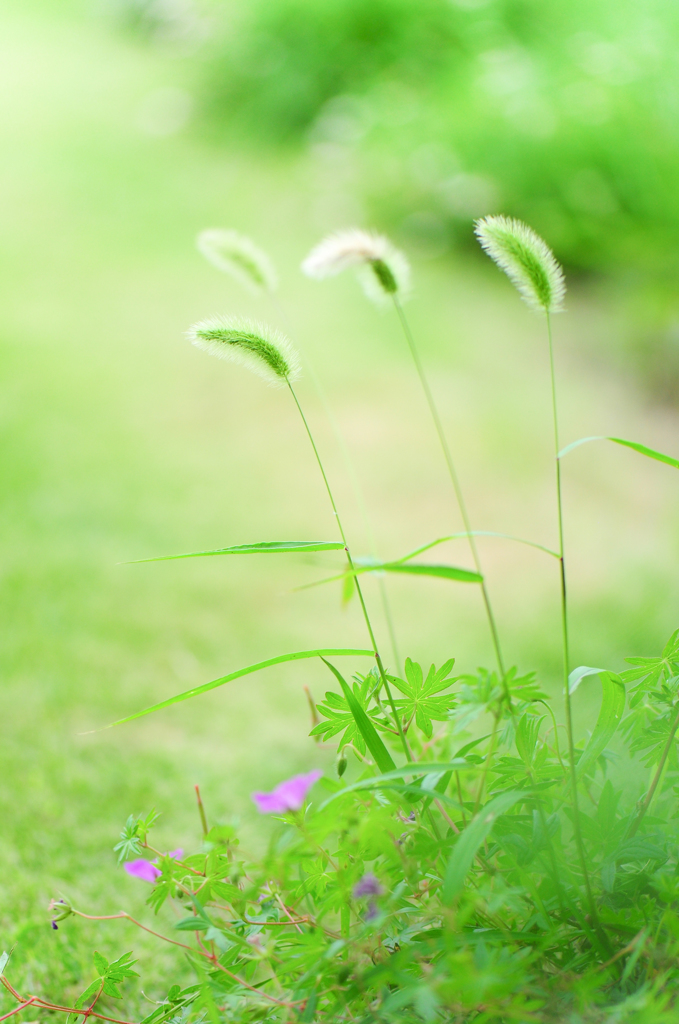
[288,795]
[142,869]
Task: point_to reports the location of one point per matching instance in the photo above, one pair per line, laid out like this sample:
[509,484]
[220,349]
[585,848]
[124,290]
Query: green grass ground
[118,441]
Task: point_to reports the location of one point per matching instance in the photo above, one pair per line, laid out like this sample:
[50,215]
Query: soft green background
[118,441]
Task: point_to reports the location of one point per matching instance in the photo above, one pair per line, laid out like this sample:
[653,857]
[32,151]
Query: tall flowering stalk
[384,274]
[242,259]
[531,266]
[271,356]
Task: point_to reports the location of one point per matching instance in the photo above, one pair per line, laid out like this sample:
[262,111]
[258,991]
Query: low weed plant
[470,858]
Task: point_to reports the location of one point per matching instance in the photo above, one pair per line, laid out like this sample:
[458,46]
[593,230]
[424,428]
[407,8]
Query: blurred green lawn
[118,441]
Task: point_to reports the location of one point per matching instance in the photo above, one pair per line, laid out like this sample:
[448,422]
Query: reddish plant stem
[123,915]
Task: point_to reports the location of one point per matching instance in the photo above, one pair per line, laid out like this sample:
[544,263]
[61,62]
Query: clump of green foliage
[471,859]
[560,113]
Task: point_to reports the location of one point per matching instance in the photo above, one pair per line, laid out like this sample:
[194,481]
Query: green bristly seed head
[385,276]
[251,343]
[238,256]
[526,259]
[265,352]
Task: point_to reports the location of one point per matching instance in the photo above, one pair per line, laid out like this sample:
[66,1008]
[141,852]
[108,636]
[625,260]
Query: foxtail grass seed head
[237,255]
[261,349]
[383,271]
[526,260]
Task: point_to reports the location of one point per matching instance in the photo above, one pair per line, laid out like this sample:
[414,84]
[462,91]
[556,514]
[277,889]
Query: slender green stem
[455,480]
[656,778]
[489,758]
[566,655]
[353,476]
[366,616]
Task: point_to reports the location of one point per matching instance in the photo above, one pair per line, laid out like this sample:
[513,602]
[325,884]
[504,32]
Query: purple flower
[146,870]
[368,886]
[372,912]
[55,926]
[288,795]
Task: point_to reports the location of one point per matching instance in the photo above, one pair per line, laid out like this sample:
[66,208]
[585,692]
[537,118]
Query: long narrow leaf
[413,768]
[468,844]
[273,547]
[650,453]
[383,758]
[610,715]
[448,572]
[197,690]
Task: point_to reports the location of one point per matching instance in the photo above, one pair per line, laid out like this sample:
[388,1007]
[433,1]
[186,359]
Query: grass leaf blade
[274,547]
[648,452]
[383,758]
[468,844]
[197,690]
[448,572]
[610,715]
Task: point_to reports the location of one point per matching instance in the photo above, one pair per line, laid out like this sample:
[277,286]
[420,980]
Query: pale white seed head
[237,255]
[383,270]
[526,259]
[262,349]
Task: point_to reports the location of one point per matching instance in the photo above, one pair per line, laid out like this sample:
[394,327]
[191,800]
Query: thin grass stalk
[455,480]
[364,609]
[656,778]
[566,653]
[353,476]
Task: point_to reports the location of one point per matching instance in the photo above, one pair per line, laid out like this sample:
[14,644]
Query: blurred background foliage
[563,114]
[126,128]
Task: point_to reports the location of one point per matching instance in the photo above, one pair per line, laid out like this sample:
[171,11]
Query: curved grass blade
[477,533]
[374,566]
[610,715]
[383,758]
[413,768]
[474,835]
[650,453]
[447,572]
[272,547]
[197,690]
[578,674]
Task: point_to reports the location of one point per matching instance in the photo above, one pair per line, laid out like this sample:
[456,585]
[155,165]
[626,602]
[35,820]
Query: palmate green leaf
[470,841]
[421,702]
[610,716]
[648,672]
[381,755]
[273,547]
[281,659]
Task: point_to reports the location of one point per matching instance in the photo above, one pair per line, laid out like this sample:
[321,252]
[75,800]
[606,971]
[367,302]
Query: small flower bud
[60,910]
[341,763]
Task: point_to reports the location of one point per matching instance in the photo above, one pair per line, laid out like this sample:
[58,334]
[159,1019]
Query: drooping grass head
[263,350]
[237,255]
[383,270]
[526,259]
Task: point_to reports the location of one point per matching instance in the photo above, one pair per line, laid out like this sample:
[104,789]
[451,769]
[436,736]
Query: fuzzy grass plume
[383,270]
[265,351]
[526,260]
[237,255]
